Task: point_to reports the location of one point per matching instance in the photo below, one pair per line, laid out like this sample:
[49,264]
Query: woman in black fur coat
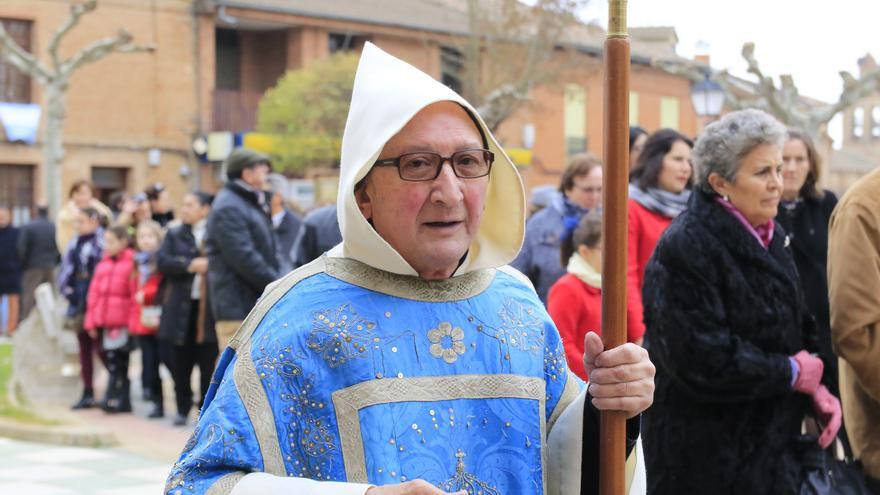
[728,330]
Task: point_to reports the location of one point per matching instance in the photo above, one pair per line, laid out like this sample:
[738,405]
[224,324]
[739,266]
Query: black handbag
[825,474]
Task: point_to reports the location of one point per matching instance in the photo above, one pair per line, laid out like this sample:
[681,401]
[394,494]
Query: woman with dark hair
[637,138]
[10,270]
[660,187]
[186,325]
[804,213]
[160,203]
[81,195]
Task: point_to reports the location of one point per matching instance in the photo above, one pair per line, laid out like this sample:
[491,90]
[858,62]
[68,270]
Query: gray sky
[810,39]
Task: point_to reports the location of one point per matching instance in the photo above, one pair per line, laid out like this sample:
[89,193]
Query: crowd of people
[728,289]
[745,285]
[175,285]
[746,282]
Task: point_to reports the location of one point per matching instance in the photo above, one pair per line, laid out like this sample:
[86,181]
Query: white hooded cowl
[387,94]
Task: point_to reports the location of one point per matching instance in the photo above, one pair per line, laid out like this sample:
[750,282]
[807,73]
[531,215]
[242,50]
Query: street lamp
[708,98]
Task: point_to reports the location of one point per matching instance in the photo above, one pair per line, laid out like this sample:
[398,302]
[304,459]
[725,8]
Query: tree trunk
[53,146]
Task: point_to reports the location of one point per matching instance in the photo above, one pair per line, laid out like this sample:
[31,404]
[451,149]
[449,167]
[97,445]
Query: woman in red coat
[575,300]
[660,187]
[108,311]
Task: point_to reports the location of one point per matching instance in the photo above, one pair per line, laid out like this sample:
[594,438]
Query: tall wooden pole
[612,434]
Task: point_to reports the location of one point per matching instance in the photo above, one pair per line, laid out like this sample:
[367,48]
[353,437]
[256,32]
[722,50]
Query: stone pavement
[43,469]
[139,461]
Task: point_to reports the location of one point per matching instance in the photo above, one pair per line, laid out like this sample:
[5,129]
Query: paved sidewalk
[142,453]
[42,469]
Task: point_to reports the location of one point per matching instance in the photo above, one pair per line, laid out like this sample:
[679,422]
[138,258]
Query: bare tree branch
[99,49]
[511,51]
[76,11]
[784,102]
[697,72]
[853,91]
[21,59]
[767,88]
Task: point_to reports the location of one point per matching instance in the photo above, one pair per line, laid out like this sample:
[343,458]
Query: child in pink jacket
[108,308]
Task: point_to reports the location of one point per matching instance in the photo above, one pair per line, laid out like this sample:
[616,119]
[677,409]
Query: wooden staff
[612,432]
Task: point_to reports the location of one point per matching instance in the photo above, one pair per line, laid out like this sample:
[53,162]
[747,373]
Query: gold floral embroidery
[446,342]
[340,335]
[462,480]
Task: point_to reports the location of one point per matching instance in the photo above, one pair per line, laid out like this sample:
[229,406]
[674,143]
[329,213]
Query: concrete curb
[66,435]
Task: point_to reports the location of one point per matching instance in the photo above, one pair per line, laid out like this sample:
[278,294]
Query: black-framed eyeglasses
[425,165]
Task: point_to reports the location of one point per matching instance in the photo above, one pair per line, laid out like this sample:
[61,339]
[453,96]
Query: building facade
[859,152]
[132,119]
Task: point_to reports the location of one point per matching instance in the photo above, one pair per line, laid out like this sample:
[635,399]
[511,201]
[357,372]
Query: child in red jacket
[108,310]
[575,300]
[146,311]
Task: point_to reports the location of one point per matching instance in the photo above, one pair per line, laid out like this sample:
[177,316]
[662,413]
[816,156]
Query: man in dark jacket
[319,233]
[38,254]
[10,270]
[240,242]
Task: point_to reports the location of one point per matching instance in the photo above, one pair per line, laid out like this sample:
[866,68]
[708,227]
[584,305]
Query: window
[17,190]
[15,86]
[858,125]
[108,180]
[875,122]
[228,68]
[345,42]
[669,113]
[451,67]
[633,108]
[575,114]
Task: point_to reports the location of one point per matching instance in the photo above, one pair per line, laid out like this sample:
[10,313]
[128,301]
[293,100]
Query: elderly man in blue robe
[410,359]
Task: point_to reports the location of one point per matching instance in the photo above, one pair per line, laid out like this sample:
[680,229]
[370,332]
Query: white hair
[724,143]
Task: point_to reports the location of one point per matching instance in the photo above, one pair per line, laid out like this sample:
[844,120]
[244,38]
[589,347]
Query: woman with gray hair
[728,330]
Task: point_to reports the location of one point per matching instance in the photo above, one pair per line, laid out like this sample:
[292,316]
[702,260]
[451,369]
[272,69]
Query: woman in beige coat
[82,195]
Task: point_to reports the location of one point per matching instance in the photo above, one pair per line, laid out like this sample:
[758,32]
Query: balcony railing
[235,111]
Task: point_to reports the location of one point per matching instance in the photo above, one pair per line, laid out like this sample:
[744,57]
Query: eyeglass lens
[425,166]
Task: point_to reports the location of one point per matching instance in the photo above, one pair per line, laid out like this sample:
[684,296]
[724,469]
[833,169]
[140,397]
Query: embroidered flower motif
[446,342]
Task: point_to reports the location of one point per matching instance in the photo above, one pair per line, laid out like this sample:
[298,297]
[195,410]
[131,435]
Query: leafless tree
[54,77]
[783,101]
[510,49]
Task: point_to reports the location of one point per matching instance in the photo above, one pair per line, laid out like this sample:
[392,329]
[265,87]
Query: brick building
[860,151]
[132,118]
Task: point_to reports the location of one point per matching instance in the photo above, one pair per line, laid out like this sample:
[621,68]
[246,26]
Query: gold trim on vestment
[349,401]
[225,484]
[414,288]
[569,394]
[256,403]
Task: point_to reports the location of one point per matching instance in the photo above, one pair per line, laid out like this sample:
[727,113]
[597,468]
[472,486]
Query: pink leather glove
[810,372]
[828,413]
